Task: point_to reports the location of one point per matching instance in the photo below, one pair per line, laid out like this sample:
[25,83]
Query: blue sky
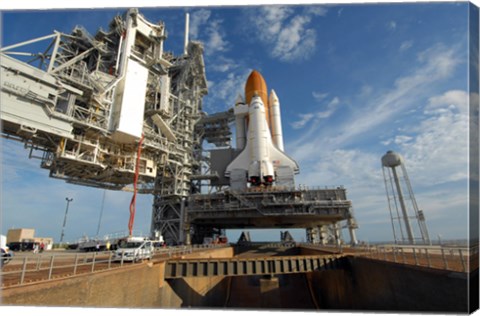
[354,80]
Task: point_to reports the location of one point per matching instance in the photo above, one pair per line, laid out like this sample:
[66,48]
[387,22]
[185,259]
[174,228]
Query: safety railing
[26,268]
[439,257]
[331,248]
[284,244]
[29,268]
[183,250]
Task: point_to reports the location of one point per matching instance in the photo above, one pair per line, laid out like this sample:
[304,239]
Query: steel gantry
[83,104]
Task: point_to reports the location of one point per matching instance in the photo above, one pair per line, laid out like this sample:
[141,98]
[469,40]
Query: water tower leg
[402,205]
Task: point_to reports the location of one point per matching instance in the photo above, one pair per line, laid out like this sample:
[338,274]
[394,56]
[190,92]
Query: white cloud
[453,98]
[331,107]
[197,19]
[304,119]
[339,166]
[365,91]
[406,45]
[227,88]
[439,153]
[295,41]
[272,18]
[216,38]
[387,142]
[223,64]
[319,96]
[402,139]
[392,25]
[435,64]
[209,30]
[316,116]
[316,10]
[290,36]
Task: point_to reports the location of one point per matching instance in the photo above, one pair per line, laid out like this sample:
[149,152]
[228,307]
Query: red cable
[135,180]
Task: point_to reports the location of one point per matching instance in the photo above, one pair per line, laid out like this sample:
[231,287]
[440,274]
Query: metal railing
[31,268]
[439,257]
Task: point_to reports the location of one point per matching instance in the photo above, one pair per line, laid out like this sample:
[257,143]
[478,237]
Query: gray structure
[401,202]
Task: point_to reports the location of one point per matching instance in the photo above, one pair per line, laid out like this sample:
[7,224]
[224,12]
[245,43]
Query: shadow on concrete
[358,284]
[214,297]
[285,292]
[372,285]
[264,251]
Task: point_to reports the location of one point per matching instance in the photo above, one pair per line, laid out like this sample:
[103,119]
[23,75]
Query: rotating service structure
[85,103]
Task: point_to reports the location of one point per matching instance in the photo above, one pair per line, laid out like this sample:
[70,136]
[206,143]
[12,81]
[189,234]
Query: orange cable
[135,180]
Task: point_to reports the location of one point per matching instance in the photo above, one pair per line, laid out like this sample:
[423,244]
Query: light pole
[65,219]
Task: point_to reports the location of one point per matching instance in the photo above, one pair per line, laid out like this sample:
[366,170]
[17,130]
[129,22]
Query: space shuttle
[258,126]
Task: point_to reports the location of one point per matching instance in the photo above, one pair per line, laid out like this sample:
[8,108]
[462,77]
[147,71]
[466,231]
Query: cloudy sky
[354,80]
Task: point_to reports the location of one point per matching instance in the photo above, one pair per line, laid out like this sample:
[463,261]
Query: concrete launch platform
[350,282]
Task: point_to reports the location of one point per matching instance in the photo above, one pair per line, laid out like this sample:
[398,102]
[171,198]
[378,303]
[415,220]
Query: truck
[91,245]
[134,249]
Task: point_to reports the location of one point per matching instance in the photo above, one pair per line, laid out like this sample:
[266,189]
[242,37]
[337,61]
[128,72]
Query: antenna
[187,30]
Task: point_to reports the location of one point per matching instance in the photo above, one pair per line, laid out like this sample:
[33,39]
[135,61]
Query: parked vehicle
[134,249]
[92,245]
[5,254]
[22,245]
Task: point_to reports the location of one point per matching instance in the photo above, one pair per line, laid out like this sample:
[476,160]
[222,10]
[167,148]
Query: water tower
[407,220]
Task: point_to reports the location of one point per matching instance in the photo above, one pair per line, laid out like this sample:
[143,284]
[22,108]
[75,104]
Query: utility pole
[65,219]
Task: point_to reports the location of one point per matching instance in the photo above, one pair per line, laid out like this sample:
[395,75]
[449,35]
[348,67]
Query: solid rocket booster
[240,127]
[275,120]
[259,134]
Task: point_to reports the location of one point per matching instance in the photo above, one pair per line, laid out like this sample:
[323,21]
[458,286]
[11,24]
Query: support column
[322,231]
[336,228]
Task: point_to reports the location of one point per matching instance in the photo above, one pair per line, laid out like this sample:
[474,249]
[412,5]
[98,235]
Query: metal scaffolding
[82,105]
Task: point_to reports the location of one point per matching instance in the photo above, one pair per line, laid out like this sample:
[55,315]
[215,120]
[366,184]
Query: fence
[29,267]
[455,258]
[449,258]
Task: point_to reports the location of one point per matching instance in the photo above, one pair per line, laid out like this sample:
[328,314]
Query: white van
[134,249]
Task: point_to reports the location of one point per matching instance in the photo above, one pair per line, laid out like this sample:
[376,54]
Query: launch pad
[269,208]
[104,110]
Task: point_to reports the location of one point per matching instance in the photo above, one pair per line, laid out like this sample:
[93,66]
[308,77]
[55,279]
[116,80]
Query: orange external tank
[256,85]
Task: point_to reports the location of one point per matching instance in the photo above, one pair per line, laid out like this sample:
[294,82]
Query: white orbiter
[259,135]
